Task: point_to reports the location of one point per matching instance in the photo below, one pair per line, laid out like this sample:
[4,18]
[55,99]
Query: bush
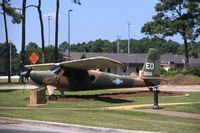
[176,71]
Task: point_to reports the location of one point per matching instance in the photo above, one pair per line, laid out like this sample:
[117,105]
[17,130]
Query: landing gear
[62,94]
[53,97]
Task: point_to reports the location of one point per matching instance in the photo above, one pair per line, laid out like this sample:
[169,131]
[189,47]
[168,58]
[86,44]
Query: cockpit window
[56,69]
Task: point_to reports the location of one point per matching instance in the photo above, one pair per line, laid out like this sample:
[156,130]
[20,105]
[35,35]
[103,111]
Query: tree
[3,58]
[50,58]
[16,18]
[56,30]
[76,2]
[23,33]
[38,7]
[176,17]
[42,30]
[63,46]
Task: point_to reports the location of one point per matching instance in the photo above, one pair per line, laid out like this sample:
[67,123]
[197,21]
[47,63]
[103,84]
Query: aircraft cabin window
[56,69]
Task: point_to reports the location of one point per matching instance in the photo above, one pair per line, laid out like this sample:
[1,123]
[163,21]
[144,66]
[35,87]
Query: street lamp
[70,10]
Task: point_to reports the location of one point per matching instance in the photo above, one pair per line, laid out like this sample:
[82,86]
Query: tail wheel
[53,97]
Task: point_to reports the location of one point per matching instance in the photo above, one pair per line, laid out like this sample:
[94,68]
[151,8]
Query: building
[134,62]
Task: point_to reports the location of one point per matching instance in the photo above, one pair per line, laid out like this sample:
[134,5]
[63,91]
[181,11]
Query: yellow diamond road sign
[34,58]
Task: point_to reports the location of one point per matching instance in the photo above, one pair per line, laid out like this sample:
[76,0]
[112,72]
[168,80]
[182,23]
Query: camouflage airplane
[82,75]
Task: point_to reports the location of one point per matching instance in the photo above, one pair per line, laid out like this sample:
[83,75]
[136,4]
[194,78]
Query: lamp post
[70,10]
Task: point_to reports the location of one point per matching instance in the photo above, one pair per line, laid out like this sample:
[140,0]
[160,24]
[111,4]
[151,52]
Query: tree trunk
[7,44]
[56,30]
[42,30]
[186,65]
[23,33]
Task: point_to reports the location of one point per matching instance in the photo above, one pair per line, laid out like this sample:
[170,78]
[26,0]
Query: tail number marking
[150,66]
[148,74]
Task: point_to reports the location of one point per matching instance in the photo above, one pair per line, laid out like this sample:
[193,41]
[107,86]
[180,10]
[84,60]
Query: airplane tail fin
[151,69]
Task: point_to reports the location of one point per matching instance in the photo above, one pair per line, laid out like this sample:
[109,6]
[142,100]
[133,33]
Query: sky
[93,19]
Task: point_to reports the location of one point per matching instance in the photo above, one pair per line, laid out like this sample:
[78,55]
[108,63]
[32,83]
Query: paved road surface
[9,125]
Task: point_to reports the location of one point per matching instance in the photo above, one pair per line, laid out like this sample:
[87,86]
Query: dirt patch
[130,107]
[182,80]
[114,96]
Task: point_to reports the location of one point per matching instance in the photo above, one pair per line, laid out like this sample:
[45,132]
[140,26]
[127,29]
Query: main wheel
[53,97]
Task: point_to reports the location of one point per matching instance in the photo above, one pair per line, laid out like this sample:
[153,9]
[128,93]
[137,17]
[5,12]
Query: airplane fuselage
[69,79]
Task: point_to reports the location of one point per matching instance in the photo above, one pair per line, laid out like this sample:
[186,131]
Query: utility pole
[70,10]
[49,27]
[118,40]
[129,24]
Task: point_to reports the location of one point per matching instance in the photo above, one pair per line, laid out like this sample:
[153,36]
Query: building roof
[138,58]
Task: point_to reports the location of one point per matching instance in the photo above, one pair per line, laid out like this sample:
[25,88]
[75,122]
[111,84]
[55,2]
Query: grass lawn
[190,108]
[19,98]
[5,81]
[83,112]
[108,118]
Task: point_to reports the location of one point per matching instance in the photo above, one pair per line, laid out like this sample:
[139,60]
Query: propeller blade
[24,76]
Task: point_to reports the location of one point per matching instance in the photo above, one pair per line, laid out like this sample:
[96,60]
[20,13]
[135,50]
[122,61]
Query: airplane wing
[44,66]
[91,63]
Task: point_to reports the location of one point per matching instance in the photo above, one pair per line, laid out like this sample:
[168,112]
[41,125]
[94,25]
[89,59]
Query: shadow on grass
[7,90]
[107,97]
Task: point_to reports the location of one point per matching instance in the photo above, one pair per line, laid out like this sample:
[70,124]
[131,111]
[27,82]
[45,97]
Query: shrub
[176,71]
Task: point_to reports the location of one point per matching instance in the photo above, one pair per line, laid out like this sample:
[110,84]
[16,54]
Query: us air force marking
[117,81]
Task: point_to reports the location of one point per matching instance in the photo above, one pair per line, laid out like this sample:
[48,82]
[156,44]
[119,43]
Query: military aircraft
[82,74]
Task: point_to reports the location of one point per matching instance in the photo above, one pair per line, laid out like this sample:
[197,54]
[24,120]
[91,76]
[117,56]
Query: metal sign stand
[155,97]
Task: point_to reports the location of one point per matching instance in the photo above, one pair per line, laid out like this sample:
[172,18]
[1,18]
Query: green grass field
[5,81]
[190,108]
[91,112]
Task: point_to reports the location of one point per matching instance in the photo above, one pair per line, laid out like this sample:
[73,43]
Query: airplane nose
[38,76]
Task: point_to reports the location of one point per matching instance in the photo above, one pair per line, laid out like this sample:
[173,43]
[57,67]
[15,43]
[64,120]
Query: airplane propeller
[24,76]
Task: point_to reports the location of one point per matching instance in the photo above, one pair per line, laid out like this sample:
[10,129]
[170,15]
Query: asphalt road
[25,128]
[9,125]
